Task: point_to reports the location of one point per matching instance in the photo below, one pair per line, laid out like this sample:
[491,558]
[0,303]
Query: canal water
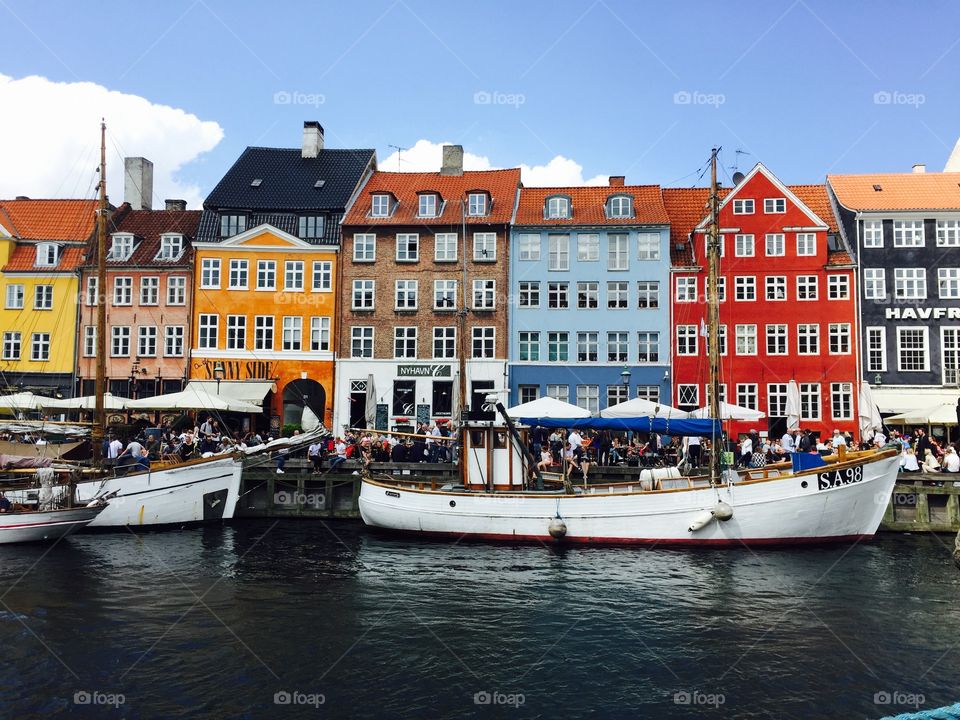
[264,619]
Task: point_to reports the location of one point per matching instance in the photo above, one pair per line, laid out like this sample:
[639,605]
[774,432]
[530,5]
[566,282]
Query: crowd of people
[925,453]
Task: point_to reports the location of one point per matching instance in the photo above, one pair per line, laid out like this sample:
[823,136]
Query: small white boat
[41,525]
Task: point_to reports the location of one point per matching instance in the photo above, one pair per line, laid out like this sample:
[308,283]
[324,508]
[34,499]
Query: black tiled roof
[288,180]
[209,230]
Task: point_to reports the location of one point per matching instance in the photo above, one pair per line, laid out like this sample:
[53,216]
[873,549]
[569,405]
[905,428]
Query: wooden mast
[99,425]
[713,319]
[462,342]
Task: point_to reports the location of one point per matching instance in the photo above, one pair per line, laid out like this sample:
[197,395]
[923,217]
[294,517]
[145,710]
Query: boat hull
[46,525]
[793,509]
[202,491]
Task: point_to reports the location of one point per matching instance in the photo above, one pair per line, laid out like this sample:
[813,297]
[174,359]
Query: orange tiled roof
[815,197]
[588,205]
[898,191]
[61,220]
[838,258]
[24,258]
[501,184]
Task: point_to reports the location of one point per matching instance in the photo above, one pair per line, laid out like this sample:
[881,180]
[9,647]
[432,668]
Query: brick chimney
[919,168]
[312,139]
[452,160]
[178,205]
[617,180]
[138,183]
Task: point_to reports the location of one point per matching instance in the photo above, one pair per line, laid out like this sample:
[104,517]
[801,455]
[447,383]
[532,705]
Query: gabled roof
[147,226]
[898,191]
[588,205]
[58,220]
[502,186]
[289,181]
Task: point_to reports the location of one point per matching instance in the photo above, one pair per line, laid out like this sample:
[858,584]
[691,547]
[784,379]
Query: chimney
[138,183]
[312,139]
[919,168]
[452,160]
[617,180]
[177,205]
[22,197]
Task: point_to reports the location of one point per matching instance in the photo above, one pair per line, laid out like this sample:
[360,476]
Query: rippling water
[214,622]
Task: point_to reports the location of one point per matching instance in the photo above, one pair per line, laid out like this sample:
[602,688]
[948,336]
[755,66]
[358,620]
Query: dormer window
[477,204]
[48,254]
[231,225]
[620,206]
[557,207]
[380,206]
[171,247]
[428,205]
[121,247]
[311,227]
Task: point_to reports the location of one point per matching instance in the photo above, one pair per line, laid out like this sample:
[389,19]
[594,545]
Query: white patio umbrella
[370,404]
[728,411]
[193,399]
[870,421]
[89,402]
[25,401]
[547,407]
[793,405]
[641,407]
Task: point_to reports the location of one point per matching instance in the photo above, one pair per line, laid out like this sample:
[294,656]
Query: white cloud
[50,143]
[426,156]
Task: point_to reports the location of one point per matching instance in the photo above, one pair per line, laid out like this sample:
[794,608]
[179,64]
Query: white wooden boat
[41,525]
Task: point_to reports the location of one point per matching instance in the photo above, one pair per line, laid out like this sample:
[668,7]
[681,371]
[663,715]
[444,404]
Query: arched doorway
[300,394]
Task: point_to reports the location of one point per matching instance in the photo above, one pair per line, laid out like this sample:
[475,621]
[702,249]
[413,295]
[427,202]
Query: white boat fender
[721,511]
[557,528]
[700,521]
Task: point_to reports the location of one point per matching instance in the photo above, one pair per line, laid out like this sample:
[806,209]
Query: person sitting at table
[929,464]
[951,461]
[908,461]
[546,459]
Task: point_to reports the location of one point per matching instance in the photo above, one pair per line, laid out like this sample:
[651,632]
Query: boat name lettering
[838,478]
[391,493]
[424,371]
[920,313]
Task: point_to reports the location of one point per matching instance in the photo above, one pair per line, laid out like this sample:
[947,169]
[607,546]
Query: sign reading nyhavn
[424,371]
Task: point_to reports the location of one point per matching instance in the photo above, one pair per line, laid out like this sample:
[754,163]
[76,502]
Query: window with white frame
[776,287]
[121,247]
[559,392]
[743,206]
[588,247]
[773,206]
[648,293]
[528,295]
[89,340]
[236,332]
[484,247]
[721,339]
[263,329]
[721,288]
[427,206]
[445,247]
[11,345]
[743,245]
[746,336]
[364,295]
[874,283]
[150,291]
[558,255]
[808,339]
[210,273]
[14,297]
[293,333]
[807,287]
[266,274]
[380,205]
[176,290]
[948,233]
[686,290]
[873,233]
[293,275]
[618,251]
[747,395]
[745,287]
[173,336]
[620,206]
[841,401]
[910,283]
[777,342]
[558,296]
[48,254]
[558,346]
[912,344]
[648,246]
[40,346]
[444,294]
[588,346]
[618,295]
[90,297]
[809,401]
[839,338]
[444,343]
[948,281]
[364,247]
[588,398]
[319,334]
[529,346]
[950,355]
[777,399]
[231,225]
[147,341]
[838,287]
[688,395]
[208,331]
[408,247]
[123,291]
[776,245]
[648,347]
[908,233]
[687,339]
[484,342]
[322,276]
[120,341]
[238,275]
[588,295]
[405,342]
[876,349]
[171,247]
[484,294]
[617,394]
[477,204]
[649,392]
[405,295]
[528,247]
[361,342]
[43,297]
[806,244]
[617,346]
[557,207]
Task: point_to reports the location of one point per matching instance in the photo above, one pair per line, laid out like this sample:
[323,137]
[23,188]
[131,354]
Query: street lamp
[218,373]
[625,376]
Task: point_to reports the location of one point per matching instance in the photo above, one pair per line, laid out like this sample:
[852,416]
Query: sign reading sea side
[910,313]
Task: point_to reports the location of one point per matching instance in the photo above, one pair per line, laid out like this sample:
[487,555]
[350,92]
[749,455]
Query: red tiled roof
[501,184]
[837,258]
[147,226]
[588,205]
[898,191]
[24,258]
[815,197]
[61,220]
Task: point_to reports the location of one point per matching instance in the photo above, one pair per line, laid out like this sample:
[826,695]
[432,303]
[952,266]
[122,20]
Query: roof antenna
[399,150]
[736,164]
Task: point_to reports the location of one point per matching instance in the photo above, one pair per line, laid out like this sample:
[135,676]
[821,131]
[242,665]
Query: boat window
[500,439]
[477,438]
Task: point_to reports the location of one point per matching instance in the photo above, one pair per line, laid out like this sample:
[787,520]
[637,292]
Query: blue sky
[642,89]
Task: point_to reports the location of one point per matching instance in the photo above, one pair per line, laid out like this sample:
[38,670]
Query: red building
[787,309]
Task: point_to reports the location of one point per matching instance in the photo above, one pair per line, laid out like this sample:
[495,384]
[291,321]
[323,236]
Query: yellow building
[42,243]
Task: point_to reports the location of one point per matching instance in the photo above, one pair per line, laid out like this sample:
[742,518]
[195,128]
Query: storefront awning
[904,398]
[248,391]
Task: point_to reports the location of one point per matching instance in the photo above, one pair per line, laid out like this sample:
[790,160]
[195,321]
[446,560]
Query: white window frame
[745,285]
[171,247]
[774,283]
[743,245]
[842,334]
[925,334]
[618,252]
[403,336]
[876,342]
[685,289]
[484,294]
[238,277]
[150,290]
[380,205]
[428,205]
[210,273]
[558,252]
[173,340]
[409,243]
[402,299]
[746,339]
[367,290]
[806,244]
[293,275]
[444,341]
[362,334]
[364,247]
[121,247]
[808,285]
[841,400]
[838,286]
[123,290]
[320,333]
[774,206]
[776,244]
[43,297]
[444,290]
[147,340]
[688,340]
[809,332]
[177,290]
[15,296]
[743,206]
[264,332]
[445,247]
[910,283]
[236,332]
[291,338]
[40,347]
[529,247]
[874,283]
[487,336]
[322,276]
[48,254]
[484,247]
[648,246]
[588,247]
[908,233]
[208,331]
[120,341]
[873,234]
[779,333]
[948,233]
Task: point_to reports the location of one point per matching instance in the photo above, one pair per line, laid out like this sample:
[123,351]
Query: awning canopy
[89,402]
[945,414]
[729,411]
[904,398]
[194,398]
[249,391]
[547,407]
[641,407]
[23,401]
[698,427]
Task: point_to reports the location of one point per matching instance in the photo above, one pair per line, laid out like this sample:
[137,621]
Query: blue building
[589,307]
